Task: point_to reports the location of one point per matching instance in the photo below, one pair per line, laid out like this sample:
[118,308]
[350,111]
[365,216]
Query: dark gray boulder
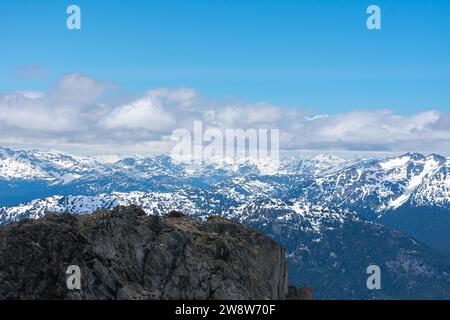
[125,254]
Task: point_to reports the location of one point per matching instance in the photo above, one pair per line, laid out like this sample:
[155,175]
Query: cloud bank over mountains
[83,115]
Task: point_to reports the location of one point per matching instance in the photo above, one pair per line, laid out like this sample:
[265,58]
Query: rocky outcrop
[305,293]
[125,254]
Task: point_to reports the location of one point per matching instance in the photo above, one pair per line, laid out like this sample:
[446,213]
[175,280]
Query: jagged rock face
[125,254]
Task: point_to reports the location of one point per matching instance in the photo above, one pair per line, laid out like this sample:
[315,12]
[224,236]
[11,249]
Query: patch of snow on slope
[11,168]
[395,163]
[430,166]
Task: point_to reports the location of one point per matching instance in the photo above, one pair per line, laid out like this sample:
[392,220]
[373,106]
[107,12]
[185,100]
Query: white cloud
[75,113]
[30,111]
[144,113]
[77,90]
[184,97]
[379,130]
[32,94]
[248,115]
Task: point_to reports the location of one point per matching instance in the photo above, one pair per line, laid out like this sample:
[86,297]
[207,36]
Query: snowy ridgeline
[158,183]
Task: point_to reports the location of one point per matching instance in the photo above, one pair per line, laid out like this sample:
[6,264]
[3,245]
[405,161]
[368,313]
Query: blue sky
[139,70]
[315,55]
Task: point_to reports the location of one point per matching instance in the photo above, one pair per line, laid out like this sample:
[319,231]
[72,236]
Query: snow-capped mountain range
[322,209]
[383,185]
